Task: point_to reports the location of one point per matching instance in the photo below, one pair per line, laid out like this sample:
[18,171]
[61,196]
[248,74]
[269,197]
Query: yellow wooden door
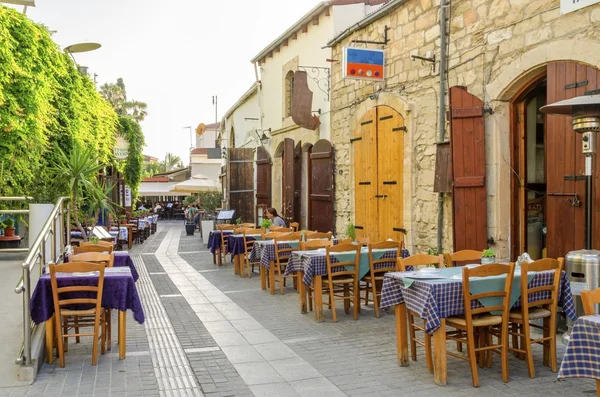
[378,146]
[364,144]
[390,166]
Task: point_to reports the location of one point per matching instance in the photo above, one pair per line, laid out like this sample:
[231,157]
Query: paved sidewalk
[208,332]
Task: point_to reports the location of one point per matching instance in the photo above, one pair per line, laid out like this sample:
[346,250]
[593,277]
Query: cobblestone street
[208,332]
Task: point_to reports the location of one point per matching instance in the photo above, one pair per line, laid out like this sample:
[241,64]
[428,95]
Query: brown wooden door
[263,177]
[468,166]
[289,181]
[240,174]
[378,146]
[565,161]
[390,169]
[298,182]
[321,190]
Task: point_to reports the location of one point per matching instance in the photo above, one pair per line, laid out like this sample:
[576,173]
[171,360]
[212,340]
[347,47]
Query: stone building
[515,170]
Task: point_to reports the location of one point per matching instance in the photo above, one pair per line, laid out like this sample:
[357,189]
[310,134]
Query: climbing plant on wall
[133,166]
[45,103]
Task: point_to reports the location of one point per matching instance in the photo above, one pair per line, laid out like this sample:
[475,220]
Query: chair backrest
[92,248]
[315,244]
[249,225]
[340,268]
[462,256]
[240,230]
[295,226]
[383,265]
[589,299]
[346,241]
[548,293]
[282,253]
[103,243]
[226,226]
[93,293]
[272,235]
[248,244]
[488,271]
[281,229]
[363,241]
[224,235]
[419,260]
[95,257]
[317,235]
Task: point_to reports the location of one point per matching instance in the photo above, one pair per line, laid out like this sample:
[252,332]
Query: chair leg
[59,340]
[504,353]
[65,332]
[482,343]
[546,344]
[109,326]
[76,320]
[515,338]
[411,332]
[553,365]
[367,287]
[346,298]
[281,280]
[356,298]
[527,347]
[95,345]
[375,298]
[472,357]
[103,334]
[490,340]
[332,303]
[309,291]
[428,351]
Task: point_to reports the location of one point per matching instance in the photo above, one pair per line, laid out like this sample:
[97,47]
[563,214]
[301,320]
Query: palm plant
[172,160]
[99,202]
[78,170]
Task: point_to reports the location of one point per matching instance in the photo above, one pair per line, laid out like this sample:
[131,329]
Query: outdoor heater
[582,266]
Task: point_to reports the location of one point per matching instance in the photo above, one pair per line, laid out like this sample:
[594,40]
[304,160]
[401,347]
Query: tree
[172,161]
[116,94]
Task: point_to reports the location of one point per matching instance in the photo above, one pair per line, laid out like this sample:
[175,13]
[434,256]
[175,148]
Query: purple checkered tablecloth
[122,259]
[235,244]
[265,252]
[434,300]
[313,263]
[582,357]
[214,239]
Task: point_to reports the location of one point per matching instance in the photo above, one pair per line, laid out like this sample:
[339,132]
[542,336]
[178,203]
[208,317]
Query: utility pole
[216,103]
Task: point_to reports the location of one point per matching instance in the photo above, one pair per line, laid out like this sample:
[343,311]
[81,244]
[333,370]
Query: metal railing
[37,257]
[14,212]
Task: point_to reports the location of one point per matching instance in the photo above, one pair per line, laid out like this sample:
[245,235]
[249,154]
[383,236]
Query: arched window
[289,92]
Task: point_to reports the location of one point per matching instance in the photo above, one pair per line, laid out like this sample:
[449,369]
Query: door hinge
[399,129]
[574,177]
[367,122]
[593,92]
[400,229]
[364,183]
[352,140]
[385,118]
[578,84]
[383,196]
[358,227]
[389,182]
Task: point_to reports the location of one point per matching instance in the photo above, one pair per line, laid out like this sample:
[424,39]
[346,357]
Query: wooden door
[289,181]
[263,177]
[565,162]
[468,166]
[321,189]
[240,174]
[364,144]
[298,183]
[378,146]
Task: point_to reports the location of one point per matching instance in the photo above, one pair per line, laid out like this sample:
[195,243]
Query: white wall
[210,170]
[206,140]
[243,129]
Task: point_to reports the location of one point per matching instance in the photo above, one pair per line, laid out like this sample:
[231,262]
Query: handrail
[37,255]
[15,198]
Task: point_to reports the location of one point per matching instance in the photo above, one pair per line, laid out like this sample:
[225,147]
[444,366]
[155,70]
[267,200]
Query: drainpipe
[442,114]
[259,83]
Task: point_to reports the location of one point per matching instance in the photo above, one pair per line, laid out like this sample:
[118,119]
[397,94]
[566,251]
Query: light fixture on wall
[429,57]
[264,139]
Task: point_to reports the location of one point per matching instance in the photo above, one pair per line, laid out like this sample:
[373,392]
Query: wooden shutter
[321,187]
[390,166]
[263,177]
[468,165]
[298,182]
[565,161]
[241,183]
[289,181]
[364,145]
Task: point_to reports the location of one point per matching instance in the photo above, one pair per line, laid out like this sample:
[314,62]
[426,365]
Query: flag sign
[363,63]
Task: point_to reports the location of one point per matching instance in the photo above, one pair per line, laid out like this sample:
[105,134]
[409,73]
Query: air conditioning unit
[83,70]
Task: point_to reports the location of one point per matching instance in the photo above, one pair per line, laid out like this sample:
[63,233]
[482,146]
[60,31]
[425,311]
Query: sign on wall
[121,148]
[127,202]
[363,63]
[567,6]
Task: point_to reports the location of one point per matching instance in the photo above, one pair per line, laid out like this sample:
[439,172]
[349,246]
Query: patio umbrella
[198,183]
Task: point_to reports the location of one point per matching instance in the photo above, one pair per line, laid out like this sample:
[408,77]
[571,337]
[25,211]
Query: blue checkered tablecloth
[313,263]
[434,300]
[264,251]
[582,357]
[122,232]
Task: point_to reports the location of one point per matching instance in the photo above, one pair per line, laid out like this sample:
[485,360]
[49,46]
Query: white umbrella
[197,185]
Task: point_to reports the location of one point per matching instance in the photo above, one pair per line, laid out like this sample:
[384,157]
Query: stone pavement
[208,332]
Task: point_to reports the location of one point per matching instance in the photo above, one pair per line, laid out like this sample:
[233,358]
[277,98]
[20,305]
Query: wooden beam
[315,20]
[305,29]
[285,43]
[294,36]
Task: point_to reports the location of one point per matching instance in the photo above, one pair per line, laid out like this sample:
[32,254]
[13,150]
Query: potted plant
[9,227]
[433,251]
[488,256]
[266,224]
[351,231]
[190,226]
[94,240]
[238,221]
[123,219]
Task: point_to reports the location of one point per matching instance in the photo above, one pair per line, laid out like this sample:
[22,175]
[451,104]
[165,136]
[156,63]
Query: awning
[148,189]
[198,183]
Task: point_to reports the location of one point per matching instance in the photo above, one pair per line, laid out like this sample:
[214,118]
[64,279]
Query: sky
[173,55]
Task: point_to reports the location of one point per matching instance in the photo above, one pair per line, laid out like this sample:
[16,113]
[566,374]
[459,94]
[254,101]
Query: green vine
[133,167]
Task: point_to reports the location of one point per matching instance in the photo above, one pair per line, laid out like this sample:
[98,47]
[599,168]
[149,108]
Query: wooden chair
[249,225]
[282,255]
[62,305]
[95,257]
[239,230]
[295,226]
[482,321]
[346,241]
[342,280]
[462,256]
[545,309]
[92,248]
[223,247]
[317,235]
[281,229]
[248,245]
[224,226]
[313,245]
[363,241]
[377,269]
[589,299]
[102,243]
[419,261]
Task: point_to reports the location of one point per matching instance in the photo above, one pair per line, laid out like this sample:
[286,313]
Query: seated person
[271,214]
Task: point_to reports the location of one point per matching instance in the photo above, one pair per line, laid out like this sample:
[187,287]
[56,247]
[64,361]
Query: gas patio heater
[582,266]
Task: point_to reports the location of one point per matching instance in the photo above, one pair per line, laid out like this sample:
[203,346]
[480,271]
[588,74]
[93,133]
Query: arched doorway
[378,148]
[263,180]
[547,212]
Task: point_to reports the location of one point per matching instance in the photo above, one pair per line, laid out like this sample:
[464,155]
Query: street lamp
[190,127]
[79,48]
[264,139]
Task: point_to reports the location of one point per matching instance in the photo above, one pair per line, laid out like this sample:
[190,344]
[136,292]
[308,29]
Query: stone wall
[493,44]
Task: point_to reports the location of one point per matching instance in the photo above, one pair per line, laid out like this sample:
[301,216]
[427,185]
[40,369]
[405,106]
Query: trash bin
[583,272]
